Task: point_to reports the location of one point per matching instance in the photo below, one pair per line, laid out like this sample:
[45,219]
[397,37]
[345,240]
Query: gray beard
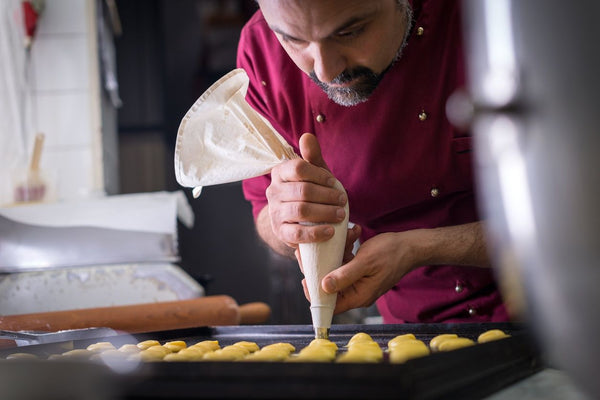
[366,79]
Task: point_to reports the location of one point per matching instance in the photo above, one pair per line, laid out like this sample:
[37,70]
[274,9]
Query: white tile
[64,117]
[74,172]
[64,16]
[61,63]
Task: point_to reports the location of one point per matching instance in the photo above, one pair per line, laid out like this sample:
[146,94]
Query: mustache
[346,76]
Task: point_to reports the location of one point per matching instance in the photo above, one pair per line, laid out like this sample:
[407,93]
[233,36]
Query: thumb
[311,151]
[342,277]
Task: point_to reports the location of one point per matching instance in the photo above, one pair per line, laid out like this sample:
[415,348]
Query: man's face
[345,46]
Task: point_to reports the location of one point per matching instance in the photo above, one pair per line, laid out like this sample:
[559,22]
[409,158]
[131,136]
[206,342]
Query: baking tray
[468,373]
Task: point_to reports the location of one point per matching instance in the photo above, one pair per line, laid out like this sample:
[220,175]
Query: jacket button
[420,31]
[320,118]
[422,116]
[435,192]
[459,287]
[472,311]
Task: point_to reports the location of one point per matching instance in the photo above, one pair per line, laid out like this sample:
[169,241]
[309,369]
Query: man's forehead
[313,19]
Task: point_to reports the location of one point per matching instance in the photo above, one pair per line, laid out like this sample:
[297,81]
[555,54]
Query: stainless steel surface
[94,286]
[26,247]
[534,89]
[29,338]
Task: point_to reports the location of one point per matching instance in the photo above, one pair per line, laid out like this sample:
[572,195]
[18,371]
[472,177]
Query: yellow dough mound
[434,344]
[405,350]
[456,343]
[491,335]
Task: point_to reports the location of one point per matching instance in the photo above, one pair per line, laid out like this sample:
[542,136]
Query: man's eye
[351,33]
[290,39]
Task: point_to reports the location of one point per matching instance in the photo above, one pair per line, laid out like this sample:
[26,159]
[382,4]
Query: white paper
[222,139]
[146,212]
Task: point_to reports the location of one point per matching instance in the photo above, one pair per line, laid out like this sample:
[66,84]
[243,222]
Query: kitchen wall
[169,53]
[65,91]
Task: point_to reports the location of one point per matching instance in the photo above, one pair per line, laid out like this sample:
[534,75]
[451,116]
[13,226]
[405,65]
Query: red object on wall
[31,17]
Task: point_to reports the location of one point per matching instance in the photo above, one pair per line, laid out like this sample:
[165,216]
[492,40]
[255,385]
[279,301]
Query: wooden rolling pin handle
[201,311]
[254,313]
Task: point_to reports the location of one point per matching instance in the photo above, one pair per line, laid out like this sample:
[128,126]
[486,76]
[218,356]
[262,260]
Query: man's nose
[328,63]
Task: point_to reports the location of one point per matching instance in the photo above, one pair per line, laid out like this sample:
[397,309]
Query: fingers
[294,188]
[343,277]
[299,258]
[303,192]
[302,199]
[356,283]
[352,298]
[305,288]
[352,236]
[298,170]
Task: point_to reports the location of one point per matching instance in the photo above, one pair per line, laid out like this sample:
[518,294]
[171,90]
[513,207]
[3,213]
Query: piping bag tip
[322,316]
[321,333]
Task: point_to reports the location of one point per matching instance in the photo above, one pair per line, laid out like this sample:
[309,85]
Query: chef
[369,81]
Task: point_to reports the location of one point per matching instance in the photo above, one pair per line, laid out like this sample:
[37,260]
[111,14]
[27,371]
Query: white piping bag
[319,259]
[222,139]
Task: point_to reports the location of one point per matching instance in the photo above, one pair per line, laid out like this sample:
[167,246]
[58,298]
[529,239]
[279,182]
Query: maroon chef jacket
[402,163]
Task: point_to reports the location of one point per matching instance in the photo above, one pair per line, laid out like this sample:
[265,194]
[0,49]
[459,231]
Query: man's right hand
[301,193]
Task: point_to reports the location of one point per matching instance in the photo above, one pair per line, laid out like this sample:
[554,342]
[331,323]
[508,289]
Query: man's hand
[301,191]
[378,265]
[385,258]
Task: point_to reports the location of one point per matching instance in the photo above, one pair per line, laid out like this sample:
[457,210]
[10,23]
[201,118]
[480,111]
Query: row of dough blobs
[361,348]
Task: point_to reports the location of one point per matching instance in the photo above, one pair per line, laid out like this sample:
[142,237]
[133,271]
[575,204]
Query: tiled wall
[66,105]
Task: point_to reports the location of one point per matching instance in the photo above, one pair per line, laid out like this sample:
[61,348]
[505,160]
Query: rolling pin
[137,318]
[254,313]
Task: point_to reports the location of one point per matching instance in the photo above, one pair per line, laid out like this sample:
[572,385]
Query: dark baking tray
[469,373]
